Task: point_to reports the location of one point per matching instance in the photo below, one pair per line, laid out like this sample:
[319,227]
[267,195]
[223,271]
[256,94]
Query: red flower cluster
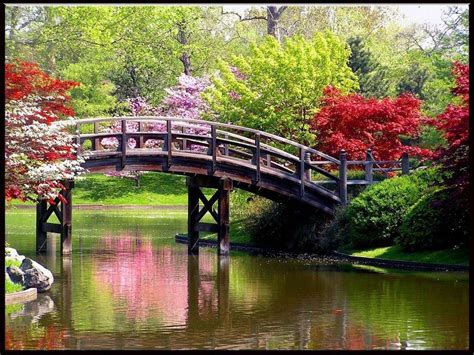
[24,78]
[354,123]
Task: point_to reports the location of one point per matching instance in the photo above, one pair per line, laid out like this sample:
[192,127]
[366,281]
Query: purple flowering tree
[183,100]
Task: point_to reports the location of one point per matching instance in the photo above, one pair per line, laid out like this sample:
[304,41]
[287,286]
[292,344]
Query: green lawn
[156,189]
[459,256]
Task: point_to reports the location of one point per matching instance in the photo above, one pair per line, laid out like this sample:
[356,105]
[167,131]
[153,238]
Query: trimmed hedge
[375,215]
[437,221]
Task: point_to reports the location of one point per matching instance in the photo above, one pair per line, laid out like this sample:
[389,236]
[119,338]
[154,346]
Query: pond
[129,285]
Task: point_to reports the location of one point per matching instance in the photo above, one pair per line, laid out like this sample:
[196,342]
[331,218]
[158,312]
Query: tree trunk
[273,16]
[185,57]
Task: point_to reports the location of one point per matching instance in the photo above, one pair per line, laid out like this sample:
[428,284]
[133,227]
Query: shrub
[375,215]
[439,220]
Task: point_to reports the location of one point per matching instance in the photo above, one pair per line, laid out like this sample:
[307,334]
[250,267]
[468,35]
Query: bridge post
[307,159]
[195,214]
[343,177]
[369,166]
[63,211]
[193,210]
[405,164]
[41,235]
[225,187]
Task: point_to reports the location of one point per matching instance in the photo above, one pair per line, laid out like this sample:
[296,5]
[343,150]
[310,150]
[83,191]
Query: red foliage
[454,121]
[25,78]
[26,83]
[353,123]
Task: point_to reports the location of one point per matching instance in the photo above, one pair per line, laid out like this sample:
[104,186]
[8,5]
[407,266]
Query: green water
[128,285]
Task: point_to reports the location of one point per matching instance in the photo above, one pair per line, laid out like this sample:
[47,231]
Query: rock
[36,275]
[11,252]
[16,274]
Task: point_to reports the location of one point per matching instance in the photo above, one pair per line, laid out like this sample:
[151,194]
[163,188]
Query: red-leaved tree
[454,123]
[39,152]
[354,123]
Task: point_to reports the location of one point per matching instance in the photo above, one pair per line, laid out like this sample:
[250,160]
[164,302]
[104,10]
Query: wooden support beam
[193,210]
[257,157]
[169,141]
[343,177]
[302,171]
[64,213]
[41,235]
[96,141]
[213,148]
[208,206]
[369,166]
[52,228]
[221,227]
[223,244]
[307,171]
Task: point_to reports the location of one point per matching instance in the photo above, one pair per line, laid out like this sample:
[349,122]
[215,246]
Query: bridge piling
[221,216]
[63,212]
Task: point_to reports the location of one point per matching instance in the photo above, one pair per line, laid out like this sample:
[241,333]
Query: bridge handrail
[211,123]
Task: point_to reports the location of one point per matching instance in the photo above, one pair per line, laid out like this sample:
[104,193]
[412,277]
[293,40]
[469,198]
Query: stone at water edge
[16,274]
[36,275]
[11,252]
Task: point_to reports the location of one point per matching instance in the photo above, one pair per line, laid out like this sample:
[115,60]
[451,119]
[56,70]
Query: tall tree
[277,87]
[371,75]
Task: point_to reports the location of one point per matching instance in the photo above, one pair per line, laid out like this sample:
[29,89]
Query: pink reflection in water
[152,284]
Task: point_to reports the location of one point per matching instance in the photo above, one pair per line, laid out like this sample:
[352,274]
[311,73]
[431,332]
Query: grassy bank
[155,189]
[456,257]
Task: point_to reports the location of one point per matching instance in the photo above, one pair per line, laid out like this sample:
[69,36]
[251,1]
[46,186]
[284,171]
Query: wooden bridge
[215,155]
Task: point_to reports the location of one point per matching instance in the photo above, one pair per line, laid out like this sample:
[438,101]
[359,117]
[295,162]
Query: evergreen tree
[372,76]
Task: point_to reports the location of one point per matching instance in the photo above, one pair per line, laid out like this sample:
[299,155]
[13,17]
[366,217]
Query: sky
[412,13]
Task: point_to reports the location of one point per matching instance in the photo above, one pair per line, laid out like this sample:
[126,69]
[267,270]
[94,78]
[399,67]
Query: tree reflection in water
[154,284]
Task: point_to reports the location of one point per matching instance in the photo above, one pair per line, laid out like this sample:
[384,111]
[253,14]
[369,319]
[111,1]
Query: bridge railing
[220,141]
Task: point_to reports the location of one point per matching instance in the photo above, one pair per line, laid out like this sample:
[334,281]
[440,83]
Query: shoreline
[99,206]
[336,256]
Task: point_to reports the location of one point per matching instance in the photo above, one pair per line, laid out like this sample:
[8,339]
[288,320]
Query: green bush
[439,220]
[375,215]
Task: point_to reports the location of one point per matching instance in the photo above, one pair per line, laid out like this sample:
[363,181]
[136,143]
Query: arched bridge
[216,155]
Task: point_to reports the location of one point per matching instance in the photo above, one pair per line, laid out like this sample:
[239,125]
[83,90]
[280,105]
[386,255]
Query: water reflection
[133,288]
